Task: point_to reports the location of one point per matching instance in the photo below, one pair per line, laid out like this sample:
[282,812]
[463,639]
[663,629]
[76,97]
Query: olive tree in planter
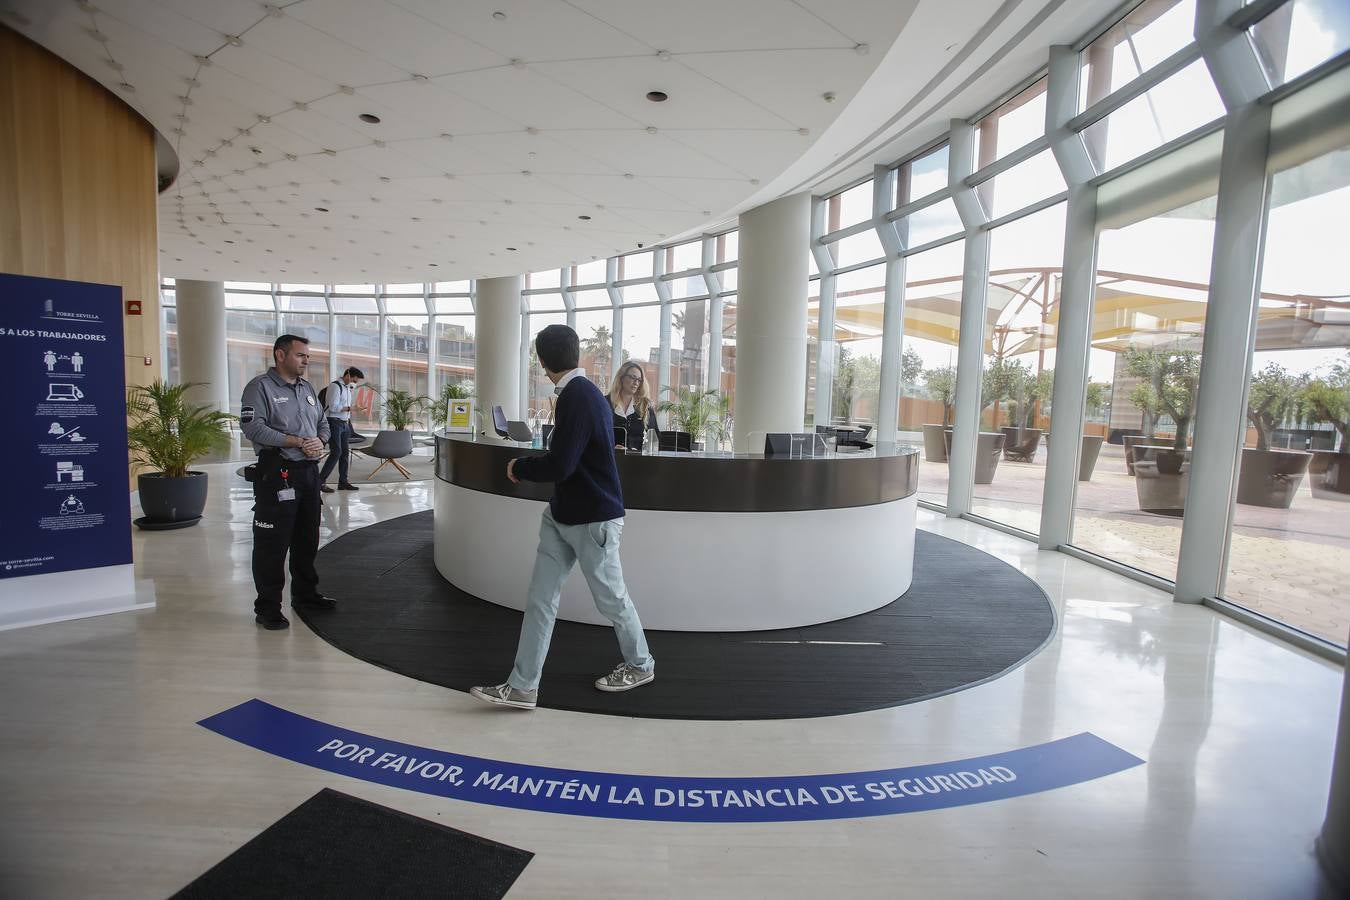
[1271,477]
[1097,396]
[703,415]
[940,384]
[1169,378]
[1327,399]
[167,434]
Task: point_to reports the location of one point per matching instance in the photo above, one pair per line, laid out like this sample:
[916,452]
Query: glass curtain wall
[1290,537]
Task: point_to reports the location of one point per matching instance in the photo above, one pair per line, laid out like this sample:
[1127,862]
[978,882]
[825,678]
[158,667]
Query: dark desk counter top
[706,482]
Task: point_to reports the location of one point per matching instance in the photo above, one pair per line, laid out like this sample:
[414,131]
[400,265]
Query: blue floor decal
[1056,764]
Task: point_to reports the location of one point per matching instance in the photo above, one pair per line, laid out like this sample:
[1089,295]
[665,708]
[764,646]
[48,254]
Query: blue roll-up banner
[847,795]
[64,458]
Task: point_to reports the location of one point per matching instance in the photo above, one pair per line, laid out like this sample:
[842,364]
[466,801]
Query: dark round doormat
[967,618]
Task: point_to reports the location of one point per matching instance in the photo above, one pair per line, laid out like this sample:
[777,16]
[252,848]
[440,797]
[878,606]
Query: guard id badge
[288,492]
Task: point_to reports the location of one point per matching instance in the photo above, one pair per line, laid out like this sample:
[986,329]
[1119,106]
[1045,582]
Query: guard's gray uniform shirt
[271,409]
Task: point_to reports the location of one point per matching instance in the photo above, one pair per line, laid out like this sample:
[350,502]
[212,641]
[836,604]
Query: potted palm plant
[166,434]
[1328,400]
[1270,477]
[702,414]
[401,407]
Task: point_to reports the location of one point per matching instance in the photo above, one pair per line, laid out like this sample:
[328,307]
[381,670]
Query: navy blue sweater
[580,459]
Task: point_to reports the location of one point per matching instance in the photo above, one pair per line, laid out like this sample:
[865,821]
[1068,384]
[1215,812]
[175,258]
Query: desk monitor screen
[678,441]
[499,421]
[782,443]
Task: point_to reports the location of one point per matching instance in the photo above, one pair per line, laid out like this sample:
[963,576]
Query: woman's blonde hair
[640,400]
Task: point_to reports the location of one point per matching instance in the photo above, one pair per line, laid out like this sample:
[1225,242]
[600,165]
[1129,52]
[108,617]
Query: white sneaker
[625,678]
[505,695]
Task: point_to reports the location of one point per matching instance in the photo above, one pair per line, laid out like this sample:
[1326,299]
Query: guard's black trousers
[280,526]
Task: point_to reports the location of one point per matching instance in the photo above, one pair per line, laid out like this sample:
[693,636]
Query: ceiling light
[385,179]
[658,96]
[803,131]
[499,16]
[321,209]
[300,105]
[512,249]
[275,12]
[228,241]
[203,61]
[584,218]
[328,152]
[628,175]
[290,157]
[380,144]
[862,49]
[369,118]
[264,120]
[433,265]
[663,55]
[651,129]
[234,40]
[346,89]
[422,79]
[754,181]
[518,63]
[126,86]
[526,172]
[828,97]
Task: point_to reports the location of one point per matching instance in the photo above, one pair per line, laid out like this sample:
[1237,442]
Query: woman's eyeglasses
[632,376]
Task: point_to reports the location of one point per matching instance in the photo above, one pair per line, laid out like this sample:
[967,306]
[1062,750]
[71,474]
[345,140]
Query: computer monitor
[499,421]
[789,444]
[675,441]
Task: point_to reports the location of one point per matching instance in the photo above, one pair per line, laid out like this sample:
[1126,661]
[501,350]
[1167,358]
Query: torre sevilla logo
[49,311]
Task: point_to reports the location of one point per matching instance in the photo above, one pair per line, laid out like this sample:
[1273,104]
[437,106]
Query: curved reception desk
[711,542]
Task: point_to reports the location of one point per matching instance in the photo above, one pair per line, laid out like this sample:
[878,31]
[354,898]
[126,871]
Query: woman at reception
[633,409]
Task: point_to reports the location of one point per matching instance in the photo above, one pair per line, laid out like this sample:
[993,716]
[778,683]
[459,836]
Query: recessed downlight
[433,265]
[369,118]
[658,96]
[511,249]
[321,209]
[584,218]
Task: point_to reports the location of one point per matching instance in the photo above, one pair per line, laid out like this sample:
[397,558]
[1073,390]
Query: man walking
[582,524]
[280,414]
[338,401]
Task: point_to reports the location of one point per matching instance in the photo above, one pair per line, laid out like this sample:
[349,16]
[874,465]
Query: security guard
[280,413]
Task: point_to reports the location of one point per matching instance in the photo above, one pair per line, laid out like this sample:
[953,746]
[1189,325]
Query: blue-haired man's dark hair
[558,347]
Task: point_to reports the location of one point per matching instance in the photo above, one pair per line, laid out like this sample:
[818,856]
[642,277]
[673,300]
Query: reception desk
[711,542]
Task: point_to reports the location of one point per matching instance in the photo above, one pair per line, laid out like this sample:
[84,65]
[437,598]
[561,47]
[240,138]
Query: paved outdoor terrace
[1289,564]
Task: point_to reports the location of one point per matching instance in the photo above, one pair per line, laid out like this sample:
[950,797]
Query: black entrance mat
[336,846]
[967,618]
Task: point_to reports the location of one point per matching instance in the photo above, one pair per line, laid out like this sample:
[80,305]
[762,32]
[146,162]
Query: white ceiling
[495,132]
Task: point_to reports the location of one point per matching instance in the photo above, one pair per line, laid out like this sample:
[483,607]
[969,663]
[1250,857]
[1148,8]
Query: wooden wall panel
[78,187]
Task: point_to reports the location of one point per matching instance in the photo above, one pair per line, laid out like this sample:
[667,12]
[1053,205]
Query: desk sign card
[65,456]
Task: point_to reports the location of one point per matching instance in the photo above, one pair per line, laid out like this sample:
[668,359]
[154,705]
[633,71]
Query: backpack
[323,396]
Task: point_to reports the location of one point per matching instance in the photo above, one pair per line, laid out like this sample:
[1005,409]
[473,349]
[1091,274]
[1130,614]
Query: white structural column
[1333,844]
[1073,339]
[771,320]
[893,310]
[1230,333]
[497,335]
[827,351]
[970,352]
[663,329]
[201,342]
[712,363]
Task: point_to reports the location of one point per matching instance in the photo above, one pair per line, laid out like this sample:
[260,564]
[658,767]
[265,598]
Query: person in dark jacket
[634,411]
[581,524]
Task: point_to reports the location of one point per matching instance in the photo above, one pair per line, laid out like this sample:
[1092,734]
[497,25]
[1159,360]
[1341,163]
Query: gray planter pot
[1162,476]
[988,451]
[1130,441]
[1087,457]
[167,501]
[1329,475]
[934,444]
[1271,477]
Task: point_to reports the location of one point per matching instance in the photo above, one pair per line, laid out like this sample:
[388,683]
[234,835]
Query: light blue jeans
[596,547]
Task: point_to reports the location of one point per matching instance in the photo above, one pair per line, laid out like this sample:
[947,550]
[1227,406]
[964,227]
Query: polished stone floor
[108,788]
